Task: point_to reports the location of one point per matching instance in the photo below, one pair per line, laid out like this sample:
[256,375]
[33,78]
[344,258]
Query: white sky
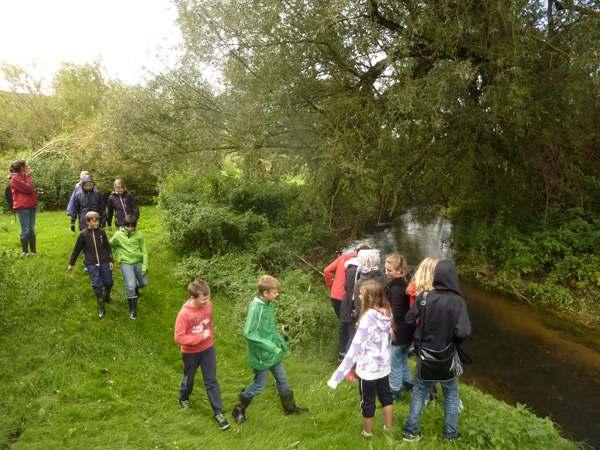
[130,38]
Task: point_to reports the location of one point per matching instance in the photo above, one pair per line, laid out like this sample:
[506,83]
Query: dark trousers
[101,278]
[336,307]
[207,360]
[347,331]
[371,389]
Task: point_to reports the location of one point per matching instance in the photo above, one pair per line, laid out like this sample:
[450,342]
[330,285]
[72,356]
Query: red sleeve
[22,184]
[183,335]
[412,292]
[329,272]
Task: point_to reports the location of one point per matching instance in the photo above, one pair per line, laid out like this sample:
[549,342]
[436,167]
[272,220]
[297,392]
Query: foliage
[54,177]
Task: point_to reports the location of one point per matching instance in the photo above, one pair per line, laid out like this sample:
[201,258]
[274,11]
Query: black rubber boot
[101,309]
[289,405]
[132,307]
[24,243]
[32,248]
[107,298]
[239,410]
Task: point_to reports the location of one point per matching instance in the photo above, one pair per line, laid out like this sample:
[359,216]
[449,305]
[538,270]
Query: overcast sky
[128,37]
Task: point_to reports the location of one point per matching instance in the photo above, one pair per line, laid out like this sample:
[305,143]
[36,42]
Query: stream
[521,354]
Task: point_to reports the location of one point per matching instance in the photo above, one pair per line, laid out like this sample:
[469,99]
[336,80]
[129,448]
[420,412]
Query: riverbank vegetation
[486,112]
[69,380]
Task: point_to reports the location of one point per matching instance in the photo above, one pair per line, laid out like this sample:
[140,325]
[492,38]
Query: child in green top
[130,250]
[266,350]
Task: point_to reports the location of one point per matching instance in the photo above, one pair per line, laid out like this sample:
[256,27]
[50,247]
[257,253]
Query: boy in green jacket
[266,350]
[130,251]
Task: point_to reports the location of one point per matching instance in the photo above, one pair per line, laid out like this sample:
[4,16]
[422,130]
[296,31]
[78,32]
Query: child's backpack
[8,196]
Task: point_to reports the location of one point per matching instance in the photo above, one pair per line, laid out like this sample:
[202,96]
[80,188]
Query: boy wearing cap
[98,259]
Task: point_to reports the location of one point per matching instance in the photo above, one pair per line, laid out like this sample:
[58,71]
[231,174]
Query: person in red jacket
[24,203]
[195,333]
[335,280]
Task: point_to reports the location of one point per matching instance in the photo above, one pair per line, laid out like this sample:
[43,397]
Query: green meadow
[69,380]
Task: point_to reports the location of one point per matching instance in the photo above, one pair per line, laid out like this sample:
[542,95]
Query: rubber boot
[101,310]
[24,243]
[132,307]
[289,405]
[239,410]
[32,248]
[107,298]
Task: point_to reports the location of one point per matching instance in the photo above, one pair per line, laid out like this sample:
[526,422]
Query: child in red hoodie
[195,333]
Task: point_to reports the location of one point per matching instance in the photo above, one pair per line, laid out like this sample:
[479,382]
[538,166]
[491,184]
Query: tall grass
[69,380]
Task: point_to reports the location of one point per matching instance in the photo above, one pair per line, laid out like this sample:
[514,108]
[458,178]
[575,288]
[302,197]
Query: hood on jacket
[445,277]
[87,179]
[382,321]
[351,262]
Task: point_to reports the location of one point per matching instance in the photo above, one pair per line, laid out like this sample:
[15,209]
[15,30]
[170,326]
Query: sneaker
[222,421]
[407,436]
[366,434]
[452,437]
[185,404]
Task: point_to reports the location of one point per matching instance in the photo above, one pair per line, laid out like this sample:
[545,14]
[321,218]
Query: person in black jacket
[98,259]
[396,271]
[443,319]
[120,204]
[89,199]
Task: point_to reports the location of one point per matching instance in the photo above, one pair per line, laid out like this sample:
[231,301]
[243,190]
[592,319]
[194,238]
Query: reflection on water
[519,356]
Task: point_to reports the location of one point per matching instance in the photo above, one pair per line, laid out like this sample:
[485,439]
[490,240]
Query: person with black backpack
[24,201]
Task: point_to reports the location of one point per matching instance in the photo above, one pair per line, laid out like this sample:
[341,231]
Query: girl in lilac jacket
[370,351]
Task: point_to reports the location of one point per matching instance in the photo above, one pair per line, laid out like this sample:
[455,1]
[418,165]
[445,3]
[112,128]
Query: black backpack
[9,197]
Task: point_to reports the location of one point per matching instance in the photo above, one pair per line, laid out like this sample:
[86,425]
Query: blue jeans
[260,381]
[400,372]
[451,406]
[132,278]
[27,221]
[101,278]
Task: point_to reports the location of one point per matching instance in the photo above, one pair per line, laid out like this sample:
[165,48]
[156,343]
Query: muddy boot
[32,248]
[24,243]
[101,310]
[239,410]
[132,307]
[289,405]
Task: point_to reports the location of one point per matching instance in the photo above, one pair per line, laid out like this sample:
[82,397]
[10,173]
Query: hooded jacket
[23,191]
[190,327]
[130,248]
[369,350]
[443,311]
[395,290]
[120,205]
[266,347]
[88,201]
[95,246]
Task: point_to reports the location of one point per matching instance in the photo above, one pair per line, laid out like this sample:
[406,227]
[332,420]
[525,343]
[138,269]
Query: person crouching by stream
[266,350]
[443,323]
[98,259]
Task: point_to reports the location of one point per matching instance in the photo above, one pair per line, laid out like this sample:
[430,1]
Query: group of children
[128,245]
[390,316]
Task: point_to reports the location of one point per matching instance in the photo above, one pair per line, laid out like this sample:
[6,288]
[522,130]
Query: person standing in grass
[370,351]
[396,271]
[195,333]
[76,190]
[24,197]
[98,259]
[130,252]
[88,199]
[266,350]
[120,204]
[443,320]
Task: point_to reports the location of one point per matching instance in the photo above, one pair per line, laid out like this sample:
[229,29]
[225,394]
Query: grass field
[69,380]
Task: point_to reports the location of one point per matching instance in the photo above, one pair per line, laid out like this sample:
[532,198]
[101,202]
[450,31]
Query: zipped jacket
[95,246]
[130,248]
[120,205]
[23,192]
[266,347]
[335,276]
[395,291]
[86,201]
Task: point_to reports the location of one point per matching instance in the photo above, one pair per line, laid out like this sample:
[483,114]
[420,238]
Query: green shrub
[55,178]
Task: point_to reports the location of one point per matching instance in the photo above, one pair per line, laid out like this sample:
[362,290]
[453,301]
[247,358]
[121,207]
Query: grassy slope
[68,380]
